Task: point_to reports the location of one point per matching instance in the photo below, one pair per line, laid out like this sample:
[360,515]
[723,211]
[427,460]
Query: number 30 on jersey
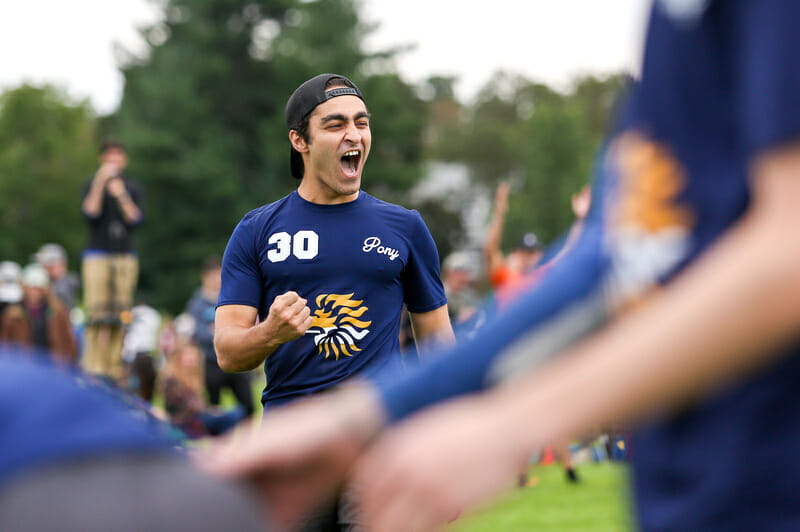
[303,245]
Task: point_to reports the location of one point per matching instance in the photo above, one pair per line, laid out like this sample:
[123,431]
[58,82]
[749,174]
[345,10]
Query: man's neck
[324,197]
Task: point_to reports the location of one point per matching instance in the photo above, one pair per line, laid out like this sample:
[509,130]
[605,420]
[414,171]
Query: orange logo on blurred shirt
[651,180]
[650,230]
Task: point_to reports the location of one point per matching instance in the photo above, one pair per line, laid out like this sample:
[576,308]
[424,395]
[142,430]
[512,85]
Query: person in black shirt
[112,208]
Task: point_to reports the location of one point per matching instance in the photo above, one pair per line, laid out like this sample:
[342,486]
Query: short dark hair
[295,159]
[112,144]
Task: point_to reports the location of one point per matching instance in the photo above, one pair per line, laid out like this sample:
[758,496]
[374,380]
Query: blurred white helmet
[34,275]
[50,254]
[10,290]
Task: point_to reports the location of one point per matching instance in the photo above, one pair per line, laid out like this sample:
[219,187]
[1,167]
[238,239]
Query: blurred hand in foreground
[422,474]
[298,459]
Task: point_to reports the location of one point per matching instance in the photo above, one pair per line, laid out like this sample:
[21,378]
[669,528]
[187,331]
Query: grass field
[599,503]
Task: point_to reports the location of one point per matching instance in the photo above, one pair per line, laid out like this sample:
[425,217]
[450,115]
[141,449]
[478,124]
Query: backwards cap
[305,99]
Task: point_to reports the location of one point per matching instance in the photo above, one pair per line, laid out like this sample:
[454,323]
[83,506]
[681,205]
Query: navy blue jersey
[356,263]
[719,86]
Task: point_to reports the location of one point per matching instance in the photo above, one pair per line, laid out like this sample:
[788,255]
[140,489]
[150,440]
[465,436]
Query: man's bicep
[235,316]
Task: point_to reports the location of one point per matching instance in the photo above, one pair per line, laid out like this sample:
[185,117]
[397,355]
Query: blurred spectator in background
[459,273]
[202,307]
[139,345]
[10,289]
[580,203]
[63,283]
[507,270]
[40,319]
[112,207]
[181,386]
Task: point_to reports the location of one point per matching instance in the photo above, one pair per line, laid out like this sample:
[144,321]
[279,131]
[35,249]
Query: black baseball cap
[305,99]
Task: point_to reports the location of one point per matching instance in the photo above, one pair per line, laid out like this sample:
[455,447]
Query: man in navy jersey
[314,283]
[678,310]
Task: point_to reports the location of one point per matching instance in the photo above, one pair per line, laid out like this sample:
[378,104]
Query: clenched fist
[289,317]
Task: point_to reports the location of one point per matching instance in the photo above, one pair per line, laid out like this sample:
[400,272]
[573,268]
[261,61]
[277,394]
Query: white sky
[70,43]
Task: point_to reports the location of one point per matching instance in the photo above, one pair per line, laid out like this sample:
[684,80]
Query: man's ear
[298,142]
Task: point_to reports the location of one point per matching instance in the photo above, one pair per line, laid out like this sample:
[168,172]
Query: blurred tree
[47,151]
[202,115]
[541,140]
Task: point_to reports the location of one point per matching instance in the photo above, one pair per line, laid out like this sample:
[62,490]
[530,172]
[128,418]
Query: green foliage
[397,120]
[541,140]
[47,153]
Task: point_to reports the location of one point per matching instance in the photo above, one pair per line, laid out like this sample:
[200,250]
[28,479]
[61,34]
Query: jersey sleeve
[241,275]
[768,74]
[566,305]
[422,284]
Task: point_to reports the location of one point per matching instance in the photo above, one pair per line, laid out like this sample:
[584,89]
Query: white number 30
[303,244]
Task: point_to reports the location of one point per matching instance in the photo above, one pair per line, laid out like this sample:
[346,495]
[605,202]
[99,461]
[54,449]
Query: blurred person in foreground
[64,283]
[677,312]
[41,319]
[79,457]
[313,285]
[202,307]
[112,207]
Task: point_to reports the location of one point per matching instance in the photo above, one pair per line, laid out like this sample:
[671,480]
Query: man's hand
[289,318]
[116,187]
[106,171]
[298,459]
[242,344]
[427,471]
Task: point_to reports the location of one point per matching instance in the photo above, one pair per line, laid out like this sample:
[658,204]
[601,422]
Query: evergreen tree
[47,153]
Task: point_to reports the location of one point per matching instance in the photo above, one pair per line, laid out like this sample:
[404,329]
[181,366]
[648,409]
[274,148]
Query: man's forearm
[92,203]
[130,211]
[242,349]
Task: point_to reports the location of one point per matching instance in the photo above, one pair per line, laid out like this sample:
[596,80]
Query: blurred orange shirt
[509,283]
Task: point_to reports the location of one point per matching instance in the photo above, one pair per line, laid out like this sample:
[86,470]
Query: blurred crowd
[168,363]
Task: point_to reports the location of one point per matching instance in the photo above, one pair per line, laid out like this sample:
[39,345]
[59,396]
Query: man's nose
[352,133]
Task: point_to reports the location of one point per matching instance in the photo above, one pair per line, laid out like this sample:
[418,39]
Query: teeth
[353,153]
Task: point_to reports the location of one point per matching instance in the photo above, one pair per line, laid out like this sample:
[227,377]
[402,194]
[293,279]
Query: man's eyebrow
[338,116]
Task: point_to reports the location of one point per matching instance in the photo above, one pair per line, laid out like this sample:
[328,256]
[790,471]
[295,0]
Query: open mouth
[350,162]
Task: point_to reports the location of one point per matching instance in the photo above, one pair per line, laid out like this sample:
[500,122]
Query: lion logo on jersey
[336,326]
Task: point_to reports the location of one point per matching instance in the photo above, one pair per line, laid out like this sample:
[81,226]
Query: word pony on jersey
[336,326]
[374,242]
